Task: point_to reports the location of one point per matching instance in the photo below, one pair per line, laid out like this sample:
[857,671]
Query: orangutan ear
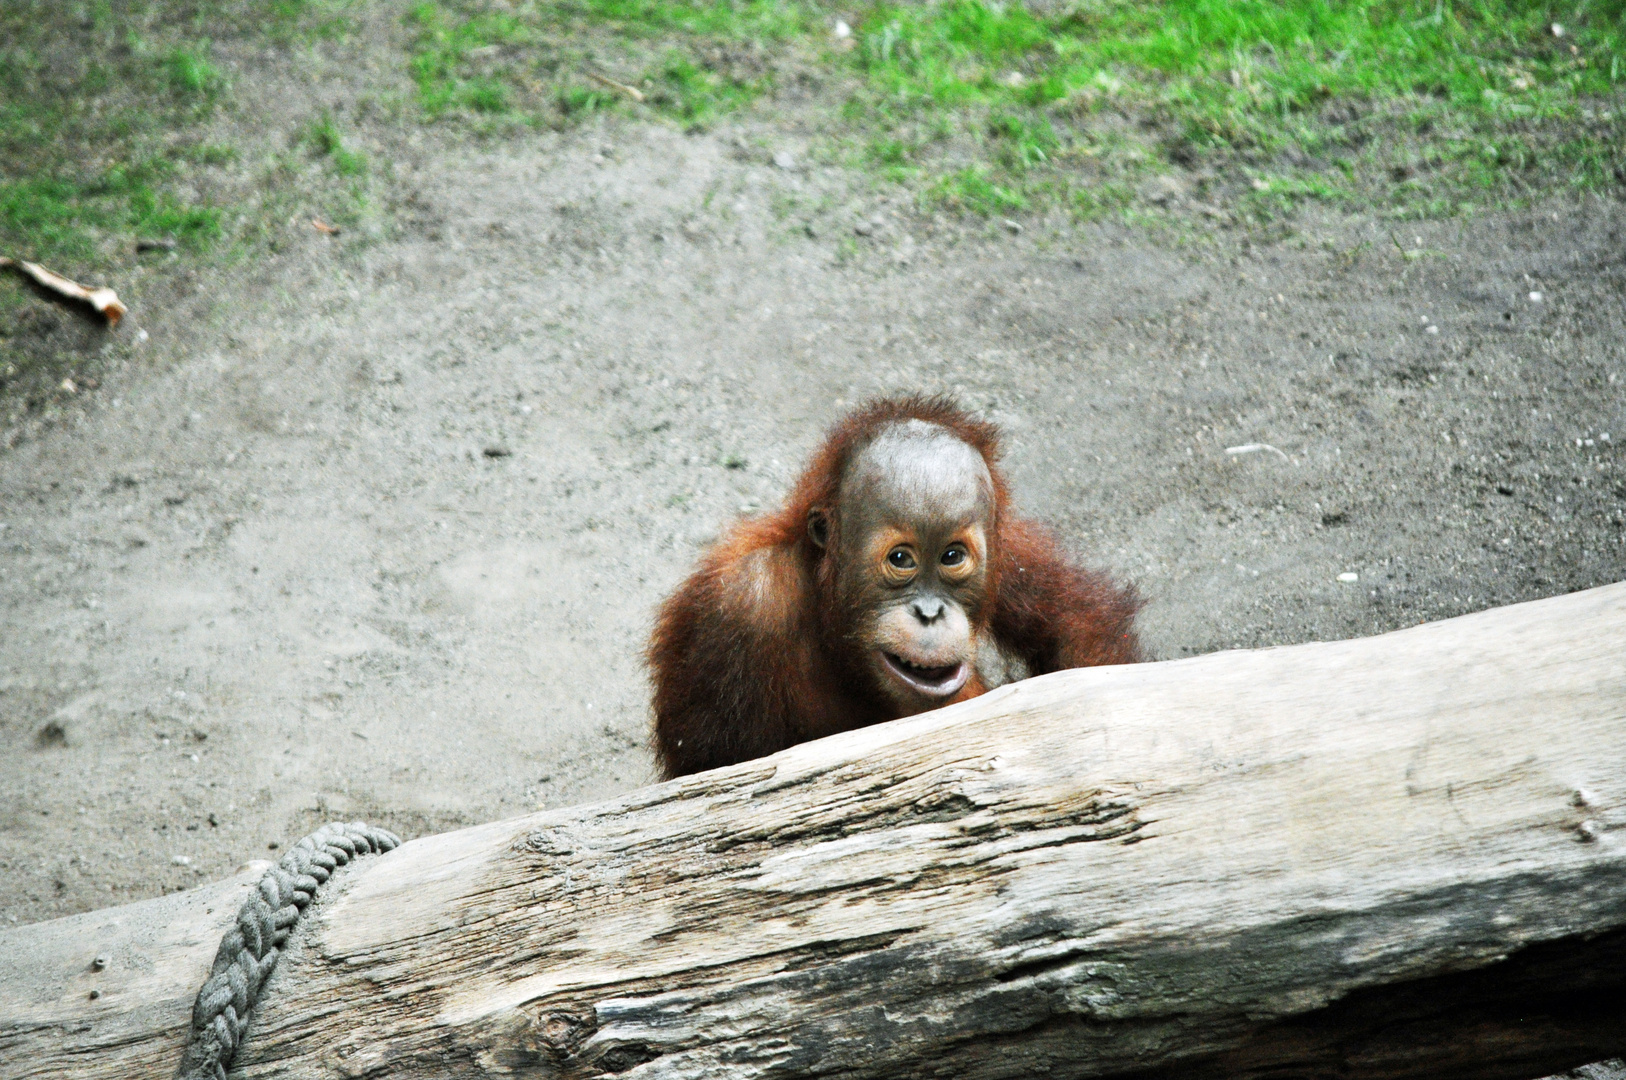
[818,526]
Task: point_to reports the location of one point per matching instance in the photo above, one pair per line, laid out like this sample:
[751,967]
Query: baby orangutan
[895,580]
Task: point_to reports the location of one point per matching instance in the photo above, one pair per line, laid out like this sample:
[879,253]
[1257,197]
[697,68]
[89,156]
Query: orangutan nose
[927,609]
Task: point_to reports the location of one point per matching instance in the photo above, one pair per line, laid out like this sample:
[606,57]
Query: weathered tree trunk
[1392,857]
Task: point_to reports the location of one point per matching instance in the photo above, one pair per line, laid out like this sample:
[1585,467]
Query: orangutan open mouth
[933,681]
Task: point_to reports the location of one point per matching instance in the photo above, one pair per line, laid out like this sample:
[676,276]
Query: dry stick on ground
[104,301]
[1396,856]
[620,87]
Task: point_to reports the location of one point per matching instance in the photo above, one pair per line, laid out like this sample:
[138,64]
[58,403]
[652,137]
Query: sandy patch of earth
[376,530]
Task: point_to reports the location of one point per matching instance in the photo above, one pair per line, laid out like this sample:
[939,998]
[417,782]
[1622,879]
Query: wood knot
[557,1035]
[549,842]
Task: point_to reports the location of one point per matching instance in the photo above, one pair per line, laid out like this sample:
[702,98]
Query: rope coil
[248,953]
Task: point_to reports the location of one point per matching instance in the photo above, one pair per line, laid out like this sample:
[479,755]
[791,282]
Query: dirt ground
[376,529]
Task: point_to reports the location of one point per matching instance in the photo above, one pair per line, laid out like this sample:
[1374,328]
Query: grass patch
[89,114]
[323,137]
[443,61]
[300,20]
[1414,106]
[108,114]
[975,188]
[535,62]
[102,113]
[191,74]
[349,200]
[1486,99]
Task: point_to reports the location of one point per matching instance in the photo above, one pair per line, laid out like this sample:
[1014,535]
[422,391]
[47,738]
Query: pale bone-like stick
[104,300]
[631,91]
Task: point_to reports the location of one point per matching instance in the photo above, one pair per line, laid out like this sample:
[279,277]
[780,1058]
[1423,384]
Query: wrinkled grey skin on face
[916,484]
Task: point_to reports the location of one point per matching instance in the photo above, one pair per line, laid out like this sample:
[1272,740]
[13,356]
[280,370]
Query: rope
[250,949]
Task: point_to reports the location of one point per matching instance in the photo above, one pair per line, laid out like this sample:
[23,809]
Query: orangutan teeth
[944,679]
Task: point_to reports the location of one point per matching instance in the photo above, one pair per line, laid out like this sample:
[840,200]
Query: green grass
[116,126]
[324,138]
[300,20]
[88,153]
[190,73]
[1467,100]
[534,63]
[103,113]
[976,188]
[441,66]
[59,218]
[350,199]
[1413,106]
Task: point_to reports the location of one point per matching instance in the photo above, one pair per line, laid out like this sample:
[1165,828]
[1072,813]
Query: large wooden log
[1392,857]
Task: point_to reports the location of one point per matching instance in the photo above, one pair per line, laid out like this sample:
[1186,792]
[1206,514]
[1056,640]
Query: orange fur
[752,654]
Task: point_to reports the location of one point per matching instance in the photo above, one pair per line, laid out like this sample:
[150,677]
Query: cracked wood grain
[1395,856]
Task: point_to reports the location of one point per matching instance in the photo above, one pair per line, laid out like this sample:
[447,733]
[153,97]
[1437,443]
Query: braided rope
[250,949]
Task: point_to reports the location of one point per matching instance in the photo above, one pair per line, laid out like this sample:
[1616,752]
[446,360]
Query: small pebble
[1434,329]
[497,452]
[100,963]
[1535,297]
[1349,576]
[863,228]
[94,994]
[784,160]
[843,30]
[1163,190]
[182,860]
[1012,227]
[273,845]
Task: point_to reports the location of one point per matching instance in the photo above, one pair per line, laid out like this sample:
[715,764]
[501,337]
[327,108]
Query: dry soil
[375,528]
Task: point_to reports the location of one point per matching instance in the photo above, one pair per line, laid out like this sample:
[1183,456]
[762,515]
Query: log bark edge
[1394,856]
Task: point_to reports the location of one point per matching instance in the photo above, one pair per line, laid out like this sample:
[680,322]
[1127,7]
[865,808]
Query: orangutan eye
[901,559]
[954,556]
